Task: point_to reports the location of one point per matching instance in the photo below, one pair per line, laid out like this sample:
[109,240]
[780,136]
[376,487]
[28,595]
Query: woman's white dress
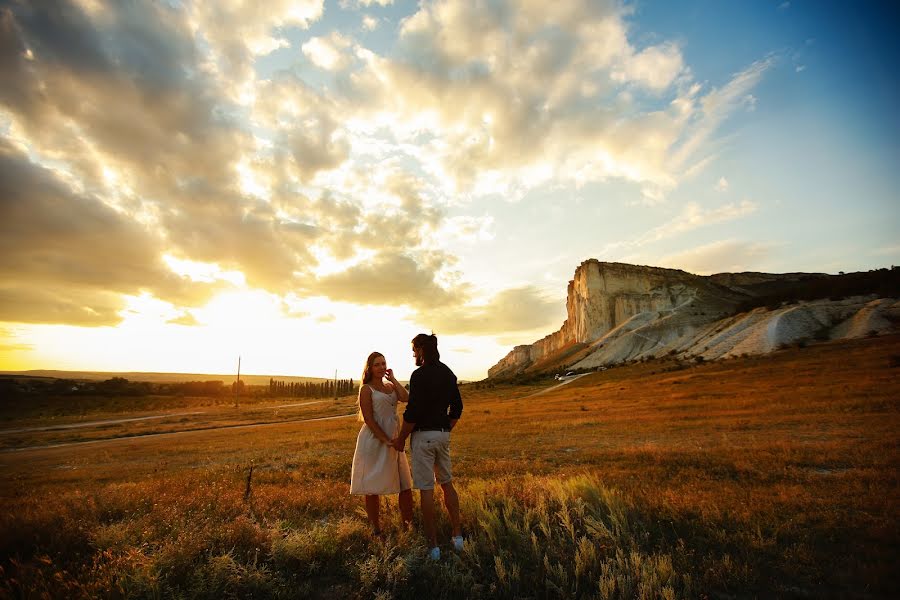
[377,467]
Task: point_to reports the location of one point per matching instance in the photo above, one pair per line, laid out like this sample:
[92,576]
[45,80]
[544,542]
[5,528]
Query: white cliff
[618,312]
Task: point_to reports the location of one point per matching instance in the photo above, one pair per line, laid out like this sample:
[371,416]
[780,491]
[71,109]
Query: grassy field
[773,476]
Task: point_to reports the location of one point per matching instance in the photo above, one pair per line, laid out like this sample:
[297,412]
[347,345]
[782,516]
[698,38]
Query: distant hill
[159,377]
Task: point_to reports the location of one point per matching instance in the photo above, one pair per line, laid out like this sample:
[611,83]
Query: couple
[433,406]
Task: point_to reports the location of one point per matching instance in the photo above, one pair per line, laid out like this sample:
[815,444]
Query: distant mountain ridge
[159,377]
[618,312]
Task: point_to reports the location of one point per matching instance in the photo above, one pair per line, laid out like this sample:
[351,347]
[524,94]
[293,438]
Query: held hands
[398,444]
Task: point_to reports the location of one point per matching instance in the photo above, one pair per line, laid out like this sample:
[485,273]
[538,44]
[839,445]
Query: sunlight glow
[250,181]
[327,264]
[202,271]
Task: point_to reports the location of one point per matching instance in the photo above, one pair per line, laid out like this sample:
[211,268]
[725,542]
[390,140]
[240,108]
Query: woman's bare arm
[402,394]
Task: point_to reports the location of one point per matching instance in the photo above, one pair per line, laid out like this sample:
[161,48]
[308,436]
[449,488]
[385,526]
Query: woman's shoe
[435,553]
[457,542]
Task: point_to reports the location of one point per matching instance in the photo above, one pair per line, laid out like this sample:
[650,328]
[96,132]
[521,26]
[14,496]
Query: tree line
[117,386]
[884,283]
[326,389]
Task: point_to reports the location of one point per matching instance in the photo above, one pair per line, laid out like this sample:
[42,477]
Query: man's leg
[427,498]
[451,502]
[443,474]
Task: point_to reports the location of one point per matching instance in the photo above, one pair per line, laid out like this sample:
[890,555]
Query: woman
[378,468]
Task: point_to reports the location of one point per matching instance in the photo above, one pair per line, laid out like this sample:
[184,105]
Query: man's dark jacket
[433,397]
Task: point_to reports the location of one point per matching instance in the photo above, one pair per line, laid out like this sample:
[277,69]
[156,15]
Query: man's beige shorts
[430,458]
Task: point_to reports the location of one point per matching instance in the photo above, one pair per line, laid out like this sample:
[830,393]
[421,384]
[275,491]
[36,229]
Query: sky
[298,183]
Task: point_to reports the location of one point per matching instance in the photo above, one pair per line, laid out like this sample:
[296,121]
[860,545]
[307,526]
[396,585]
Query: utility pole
[237,384]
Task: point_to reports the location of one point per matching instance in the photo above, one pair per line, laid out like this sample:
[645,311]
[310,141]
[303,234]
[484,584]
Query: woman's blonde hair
[367,370]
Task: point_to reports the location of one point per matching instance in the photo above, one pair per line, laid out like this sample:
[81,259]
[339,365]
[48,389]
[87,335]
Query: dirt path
[96,423]
[550,389]
[132,419]
[170,433]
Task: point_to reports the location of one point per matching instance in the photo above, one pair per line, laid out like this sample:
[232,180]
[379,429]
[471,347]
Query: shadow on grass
[527,537]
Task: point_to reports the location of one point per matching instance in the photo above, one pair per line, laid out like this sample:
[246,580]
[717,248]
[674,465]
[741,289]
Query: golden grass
[87,420]
[758,477]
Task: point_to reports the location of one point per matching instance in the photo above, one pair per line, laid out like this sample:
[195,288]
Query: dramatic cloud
[513,96]
[138,131]
[391,278]
[513,310]
[240,30]
[67,256]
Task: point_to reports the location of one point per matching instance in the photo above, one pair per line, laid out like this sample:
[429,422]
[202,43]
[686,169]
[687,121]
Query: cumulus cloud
[516,95]
[329,52]
[468,229]
[518,309]
[187,319]
[136,131]
[655,67]
[307,133]
[239,31]
[164,152]
[369,23]
[67,257]
[128,100]
[390,278]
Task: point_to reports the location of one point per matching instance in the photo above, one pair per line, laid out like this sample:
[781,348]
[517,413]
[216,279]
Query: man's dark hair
[428,345]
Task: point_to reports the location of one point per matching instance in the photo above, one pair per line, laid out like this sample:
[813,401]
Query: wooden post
[237,384]
[249,490]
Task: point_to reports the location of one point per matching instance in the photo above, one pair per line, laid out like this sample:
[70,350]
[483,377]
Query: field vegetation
[767,476]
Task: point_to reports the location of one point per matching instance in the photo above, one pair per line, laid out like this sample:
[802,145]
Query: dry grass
[759,477]
[88,419]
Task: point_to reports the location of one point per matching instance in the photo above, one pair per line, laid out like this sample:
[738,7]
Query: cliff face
[618,312]
[602,296]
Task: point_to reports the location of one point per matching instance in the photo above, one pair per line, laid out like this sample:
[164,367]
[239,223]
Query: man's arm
[399,442]
[456,404]
[410,415]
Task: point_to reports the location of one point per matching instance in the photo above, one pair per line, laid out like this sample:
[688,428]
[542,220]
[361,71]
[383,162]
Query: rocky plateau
[619,312]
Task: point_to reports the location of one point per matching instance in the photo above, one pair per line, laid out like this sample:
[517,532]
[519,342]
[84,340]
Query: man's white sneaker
[457,542]
[435,553]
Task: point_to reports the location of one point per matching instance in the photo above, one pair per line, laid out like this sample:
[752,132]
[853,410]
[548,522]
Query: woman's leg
[373,506]
[406,507]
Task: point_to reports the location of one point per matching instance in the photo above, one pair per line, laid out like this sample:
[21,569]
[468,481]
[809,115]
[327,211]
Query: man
[433,409]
